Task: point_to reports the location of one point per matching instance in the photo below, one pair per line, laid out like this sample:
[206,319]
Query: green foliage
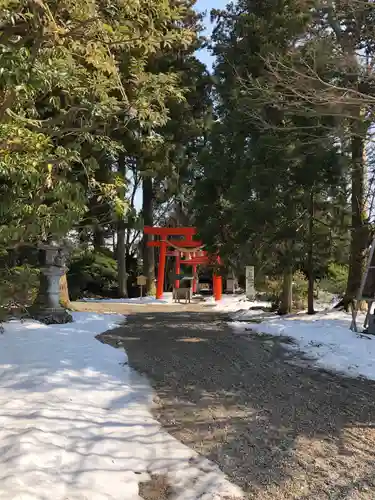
[336,279]
[74,75]
[91,273]
[273,181]
[271,289]
[36,200]
[301,87]
[18,288]
[299,296]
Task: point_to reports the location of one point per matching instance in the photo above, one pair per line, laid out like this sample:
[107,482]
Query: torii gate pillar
[161,270]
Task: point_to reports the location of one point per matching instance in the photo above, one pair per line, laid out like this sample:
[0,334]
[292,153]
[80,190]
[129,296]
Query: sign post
[141,282]
[250,283]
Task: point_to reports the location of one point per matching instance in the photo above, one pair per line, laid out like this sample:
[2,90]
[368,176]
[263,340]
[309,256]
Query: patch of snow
[234,303]
[75,420]
[326,338]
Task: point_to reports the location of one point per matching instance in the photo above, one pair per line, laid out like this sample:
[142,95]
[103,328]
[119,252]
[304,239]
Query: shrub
[336,279]
[91,273]
[300,284]
[18,287]
[272,288]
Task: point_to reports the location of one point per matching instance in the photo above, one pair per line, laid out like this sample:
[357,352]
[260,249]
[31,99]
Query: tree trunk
[359,233]
[121,261]
[286,294]
[98,239]
[114,242]
[121,247]
[148,252]
[64,292]
[310,255]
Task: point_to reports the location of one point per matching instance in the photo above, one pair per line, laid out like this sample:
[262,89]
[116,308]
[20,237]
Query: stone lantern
[47,307]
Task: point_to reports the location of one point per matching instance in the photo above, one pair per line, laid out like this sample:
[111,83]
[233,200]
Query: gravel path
[278,430]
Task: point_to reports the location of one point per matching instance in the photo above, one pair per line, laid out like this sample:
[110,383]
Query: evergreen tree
[328,71]
[165,153]
[261,186]
[61,89]
[74,78]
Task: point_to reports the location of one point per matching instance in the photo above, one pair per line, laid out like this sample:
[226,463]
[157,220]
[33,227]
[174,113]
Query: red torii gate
[185,246]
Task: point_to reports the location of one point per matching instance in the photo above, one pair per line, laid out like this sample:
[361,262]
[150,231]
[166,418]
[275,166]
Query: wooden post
[218,284]
[194,280]
[178,269]
[194,283]
[161,270]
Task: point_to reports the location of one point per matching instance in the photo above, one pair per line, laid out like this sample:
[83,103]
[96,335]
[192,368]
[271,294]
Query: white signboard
[250,285]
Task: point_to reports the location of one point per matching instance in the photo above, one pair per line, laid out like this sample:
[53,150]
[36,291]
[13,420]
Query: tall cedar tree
[258,185]
[329,71]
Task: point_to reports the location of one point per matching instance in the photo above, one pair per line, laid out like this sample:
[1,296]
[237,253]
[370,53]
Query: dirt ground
[278,430]
[128,308]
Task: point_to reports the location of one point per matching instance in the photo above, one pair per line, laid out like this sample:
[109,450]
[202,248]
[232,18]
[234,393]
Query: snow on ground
[244,308]
[326,338]
[238,303]
[75,421]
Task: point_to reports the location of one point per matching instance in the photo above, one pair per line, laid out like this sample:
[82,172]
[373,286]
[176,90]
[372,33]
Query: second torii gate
[185,246]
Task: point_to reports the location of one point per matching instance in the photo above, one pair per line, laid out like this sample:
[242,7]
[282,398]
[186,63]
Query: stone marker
[250,283]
